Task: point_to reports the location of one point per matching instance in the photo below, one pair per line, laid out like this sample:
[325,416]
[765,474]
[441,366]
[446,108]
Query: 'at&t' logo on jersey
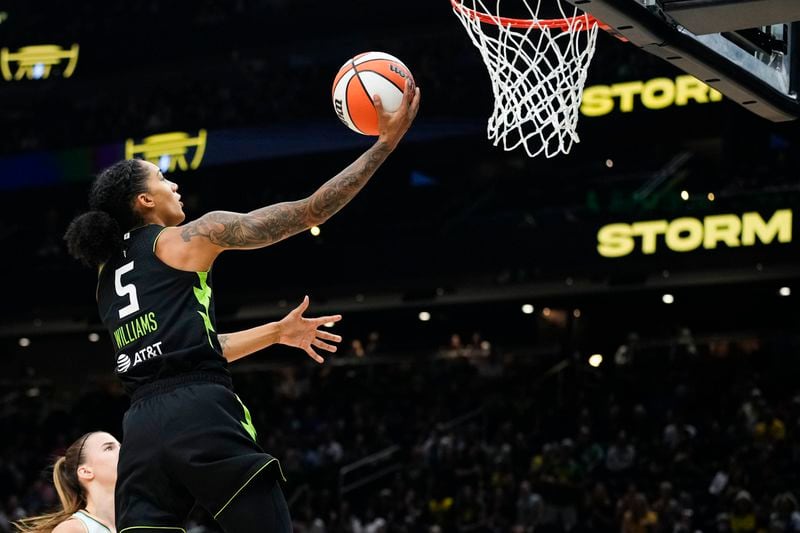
[124,362]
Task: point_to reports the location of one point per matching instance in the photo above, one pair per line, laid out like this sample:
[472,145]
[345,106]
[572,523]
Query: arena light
[711,197]
[785,291]
[668,298]
[527,309]
[164,162]
[424,316]
[610,163]
[24,342]
[94,337]
[170,150]
[315,231]
[576,313]
[685,195]
[596,360]
[546,311]
[35,62]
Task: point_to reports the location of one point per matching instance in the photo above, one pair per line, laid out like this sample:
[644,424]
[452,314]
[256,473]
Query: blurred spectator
[665,499]
[769,427]
[677,431]
[589,451]
[784,517]
[357,349]
[469,508]
[743,516]
[529,508]
[455,348]
[599,510]
[373,342]
[639,518]
[621,455]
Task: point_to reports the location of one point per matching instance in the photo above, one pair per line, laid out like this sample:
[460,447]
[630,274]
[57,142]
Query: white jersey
[91,523]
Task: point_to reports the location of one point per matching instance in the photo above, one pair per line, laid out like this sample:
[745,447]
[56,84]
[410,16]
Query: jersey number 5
[128,290]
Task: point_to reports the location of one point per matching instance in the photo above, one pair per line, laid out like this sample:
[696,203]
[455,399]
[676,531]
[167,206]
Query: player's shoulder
[176,247]
[71,525]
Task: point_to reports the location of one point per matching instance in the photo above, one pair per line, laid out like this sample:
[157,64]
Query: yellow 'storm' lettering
[687,233]
[615,240]
[649,231]
[677,241]
[658,93]
[754,226]
[724,228]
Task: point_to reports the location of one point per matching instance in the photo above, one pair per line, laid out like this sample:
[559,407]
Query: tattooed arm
[273,223]
[195,245]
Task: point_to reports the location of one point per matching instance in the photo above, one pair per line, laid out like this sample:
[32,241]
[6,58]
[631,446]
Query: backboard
[749,50]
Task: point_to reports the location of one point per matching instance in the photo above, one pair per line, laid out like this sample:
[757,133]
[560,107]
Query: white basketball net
[537,74]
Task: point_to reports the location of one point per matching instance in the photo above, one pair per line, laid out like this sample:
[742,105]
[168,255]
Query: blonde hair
[70,492]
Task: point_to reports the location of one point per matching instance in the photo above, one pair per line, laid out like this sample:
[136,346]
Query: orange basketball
[362,77]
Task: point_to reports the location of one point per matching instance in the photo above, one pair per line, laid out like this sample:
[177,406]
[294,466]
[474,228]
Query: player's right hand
[392,126]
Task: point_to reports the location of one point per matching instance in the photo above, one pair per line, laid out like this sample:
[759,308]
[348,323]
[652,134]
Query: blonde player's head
[89,463]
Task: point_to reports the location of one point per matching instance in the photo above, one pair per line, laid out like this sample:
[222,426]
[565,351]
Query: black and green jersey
[161,319]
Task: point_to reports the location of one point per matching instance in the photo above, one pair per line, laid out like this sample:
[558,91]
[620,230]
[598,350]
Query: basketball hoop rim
[580,23]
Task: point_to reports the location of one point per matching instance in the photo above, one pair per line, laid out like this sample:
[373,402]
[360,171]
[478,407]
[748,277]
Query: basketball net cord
[537,69]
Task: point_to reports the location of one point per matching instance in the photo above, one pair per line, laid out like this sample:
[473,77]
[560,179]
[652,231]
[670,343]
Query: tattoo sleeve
[273,223]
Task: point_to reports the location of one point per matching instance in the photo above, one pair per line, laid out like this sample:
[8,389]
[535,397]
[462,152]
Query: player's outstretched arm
[292,330]
[195,245]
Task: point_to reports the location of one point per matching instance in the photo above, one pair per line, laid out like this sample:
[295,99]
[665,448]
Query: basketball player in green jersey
[187,437]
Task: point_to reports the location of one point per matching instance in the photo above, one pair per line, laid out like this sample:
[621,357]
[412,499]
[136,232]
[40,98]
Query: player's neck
[155,216]
[100,504]
[154,219]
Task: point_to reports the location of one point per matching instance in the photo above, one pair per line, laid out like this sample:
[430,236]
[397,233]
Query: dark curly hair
[94,236]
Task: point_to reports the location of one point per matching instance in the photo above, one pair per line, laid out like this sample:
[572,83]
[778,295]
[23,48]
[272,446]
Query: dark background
[449,225]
